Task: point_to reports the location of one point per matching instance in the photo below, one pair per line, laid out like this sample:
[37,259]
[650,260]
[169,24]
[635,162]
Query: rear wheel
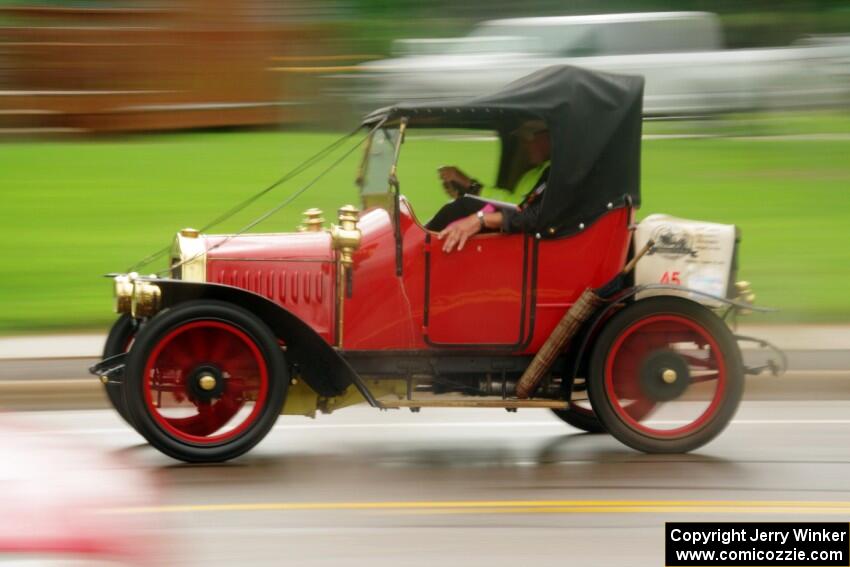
[674,356]
[118,341]
[205,381]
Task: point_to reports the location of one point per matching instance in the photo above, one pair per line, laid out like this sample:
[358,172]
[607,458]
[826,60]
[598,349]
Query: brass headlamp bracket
[345,239]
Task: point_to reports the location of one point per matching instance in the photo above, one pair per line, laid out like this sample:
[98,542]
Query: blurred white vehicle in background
[680,54]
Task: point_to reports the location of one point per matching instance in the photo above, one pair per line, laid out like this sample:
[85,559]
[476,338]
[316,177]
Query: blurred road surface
[475,487]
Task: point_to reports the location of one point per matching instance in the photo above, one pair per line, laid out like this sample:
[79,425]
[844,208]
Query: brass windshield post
[394,187]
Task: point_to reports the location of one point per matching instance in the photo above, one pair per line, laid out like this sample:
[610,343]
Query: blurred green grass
[803,123]
[73,210]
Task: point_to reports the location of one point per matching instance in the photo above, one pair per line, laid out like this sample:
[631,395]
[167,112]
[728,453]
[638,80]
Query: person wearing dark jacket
[468,215]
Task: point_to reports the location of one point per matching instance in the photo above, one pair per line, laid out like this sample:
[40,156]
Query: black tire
[580,418]
[252,331]
[117,342]
[720,409]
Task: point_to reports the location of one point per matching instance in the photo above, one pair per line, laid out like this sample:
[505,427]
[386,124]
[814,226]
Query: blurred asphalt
[473,487]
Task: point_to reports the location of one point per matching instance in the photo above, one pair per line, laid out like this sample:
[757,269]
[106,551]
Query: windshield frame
[376,177]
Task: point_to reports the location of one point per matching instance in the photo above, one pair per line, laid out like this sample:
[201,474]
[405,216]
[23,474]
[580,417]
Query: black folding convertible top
[594,120]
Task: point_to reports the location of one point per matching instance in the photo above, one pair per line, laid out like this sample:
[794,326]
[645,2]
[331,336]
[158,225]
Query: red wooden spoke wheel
[205,381]
[673,357]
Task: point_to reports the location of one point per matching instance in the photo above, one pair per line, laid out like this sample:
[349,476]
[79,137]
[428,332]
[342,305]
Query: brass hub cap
[207,382]
[663,375]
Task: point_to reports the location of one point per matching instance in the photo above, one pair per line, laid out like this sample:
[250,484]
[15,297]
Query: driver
[468,215]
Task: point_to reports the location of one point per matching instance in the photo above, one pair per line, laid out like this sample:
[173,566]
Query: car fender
[319,364]
[591,327]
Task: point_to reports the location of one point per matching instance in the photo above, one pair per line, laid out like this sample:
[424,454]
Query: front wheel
[580,417]
[205,381]
[118,341]
[675,356]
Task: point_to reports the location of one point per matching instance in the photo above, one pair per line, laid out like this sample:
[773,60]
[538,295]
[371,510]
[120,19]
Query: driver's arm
[457,183]
[521,220]
[457,233]
[507,220]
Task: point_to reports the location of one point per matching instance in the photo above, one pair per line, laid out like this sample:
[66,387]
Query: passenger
[468,214]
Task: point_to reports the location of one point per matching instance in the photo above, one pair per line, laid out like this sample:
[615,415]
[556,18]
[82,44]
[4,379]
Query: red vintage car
[244,327]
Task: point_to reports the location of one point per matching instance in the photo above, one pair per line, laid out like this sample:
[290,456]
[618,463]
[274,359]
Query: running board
[473,403]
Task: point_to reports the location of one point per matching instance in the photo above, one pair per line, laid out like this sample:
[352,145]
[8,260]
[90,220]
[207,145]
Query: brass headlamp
[147,298]
[138,297]
[123,291]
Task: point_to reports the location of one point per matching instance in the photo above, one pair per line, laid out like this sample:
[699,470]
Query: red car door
[478,297]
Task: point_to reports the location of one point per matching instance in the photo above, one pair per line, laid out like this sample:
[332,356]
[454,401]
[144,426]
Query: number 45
[671,278]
